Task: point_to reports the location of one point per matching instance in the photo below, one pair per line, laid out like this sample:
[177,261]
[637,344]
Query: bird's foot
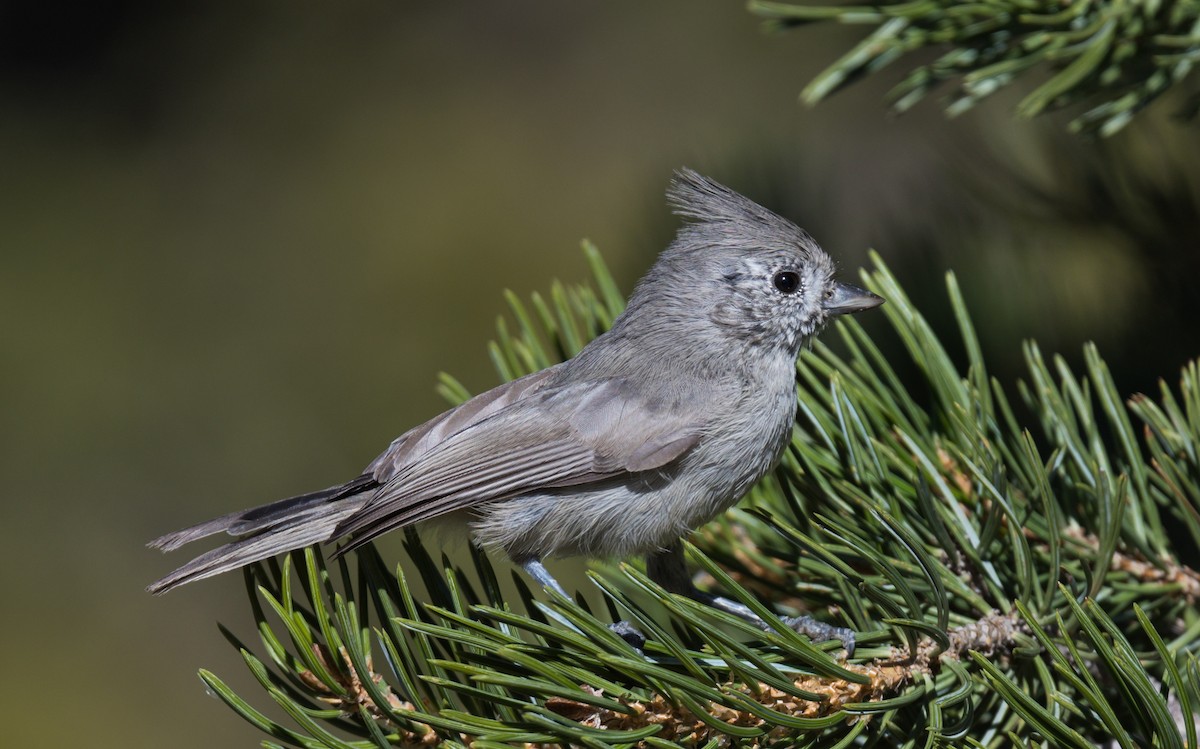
[629,634]
[821,632]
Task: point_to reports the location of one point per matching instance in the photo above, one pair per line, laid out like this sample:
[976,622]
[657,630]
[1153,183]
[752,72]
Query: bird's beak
[847,298]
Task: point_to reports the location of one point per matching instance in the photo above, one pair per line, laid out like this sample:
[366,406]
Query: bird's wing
[546,437]
[416,442]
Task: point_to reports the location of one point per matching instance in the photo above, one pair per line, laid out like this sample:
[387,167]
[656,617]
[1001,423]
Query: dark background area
[237,243]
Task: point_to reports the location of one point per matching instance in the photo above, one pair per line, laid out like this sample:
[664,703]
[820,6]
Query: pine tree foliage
[1110,56]
[1011,586]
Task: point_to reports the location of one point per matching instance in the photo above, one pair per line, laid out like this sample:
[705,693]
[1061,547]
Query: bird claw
[630,634]
[821,632]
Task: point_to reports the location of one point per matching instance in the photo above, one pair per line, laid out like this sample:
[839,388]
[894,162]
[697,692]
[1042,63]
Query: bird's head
[744,272]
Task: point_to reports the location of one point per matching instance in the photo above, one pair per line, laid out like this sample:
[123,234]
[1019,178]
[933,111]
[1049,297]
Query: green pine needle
[1108,57]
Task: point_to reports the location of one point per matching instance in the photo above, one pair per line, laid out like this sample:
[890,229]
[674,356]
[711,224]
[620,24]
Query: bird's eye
[787,281]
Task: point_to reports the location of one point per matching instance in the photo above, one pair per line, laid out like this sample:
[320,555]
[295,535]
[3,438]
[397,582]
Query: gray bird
[654,428]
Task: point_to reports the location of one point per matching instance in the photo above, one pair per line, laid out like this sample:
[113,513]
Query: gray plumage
[651,430]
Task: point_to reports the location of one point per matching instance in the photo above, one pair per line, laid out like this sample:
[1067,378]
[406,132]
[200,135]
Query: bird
[655,427]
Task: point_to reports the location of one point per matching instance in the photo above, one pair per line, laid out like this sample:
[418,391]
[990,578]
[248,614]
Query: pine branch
[1008,588]
[1113,57]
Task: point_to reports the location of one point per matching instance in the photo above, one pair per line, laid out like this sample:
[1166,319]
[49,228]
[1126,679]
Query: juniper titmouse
[651,430]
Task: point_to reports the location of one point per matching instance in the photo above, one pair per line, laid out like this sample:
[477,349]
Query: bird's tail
[265,531]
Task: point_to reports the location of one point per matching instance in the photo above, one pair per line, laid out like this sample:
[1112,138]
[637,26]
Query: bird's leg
[538,572]
[622,629]
[668,569]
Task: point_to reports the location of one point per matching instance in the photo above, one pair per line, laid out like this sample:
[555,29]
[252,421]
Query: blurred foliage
[1111,56]
[1072,242]
[1010,590]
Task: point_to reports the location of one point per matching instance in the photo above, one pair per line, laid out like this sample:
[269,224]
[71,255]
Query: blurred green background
[239,241]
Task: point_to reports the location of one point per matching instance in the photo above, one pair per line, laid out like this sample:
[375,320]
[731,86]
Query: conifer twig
[1009,584]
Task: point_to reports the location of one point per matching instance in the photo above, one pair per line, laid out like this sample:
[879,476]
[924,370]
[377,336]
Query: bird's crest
[698,198]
